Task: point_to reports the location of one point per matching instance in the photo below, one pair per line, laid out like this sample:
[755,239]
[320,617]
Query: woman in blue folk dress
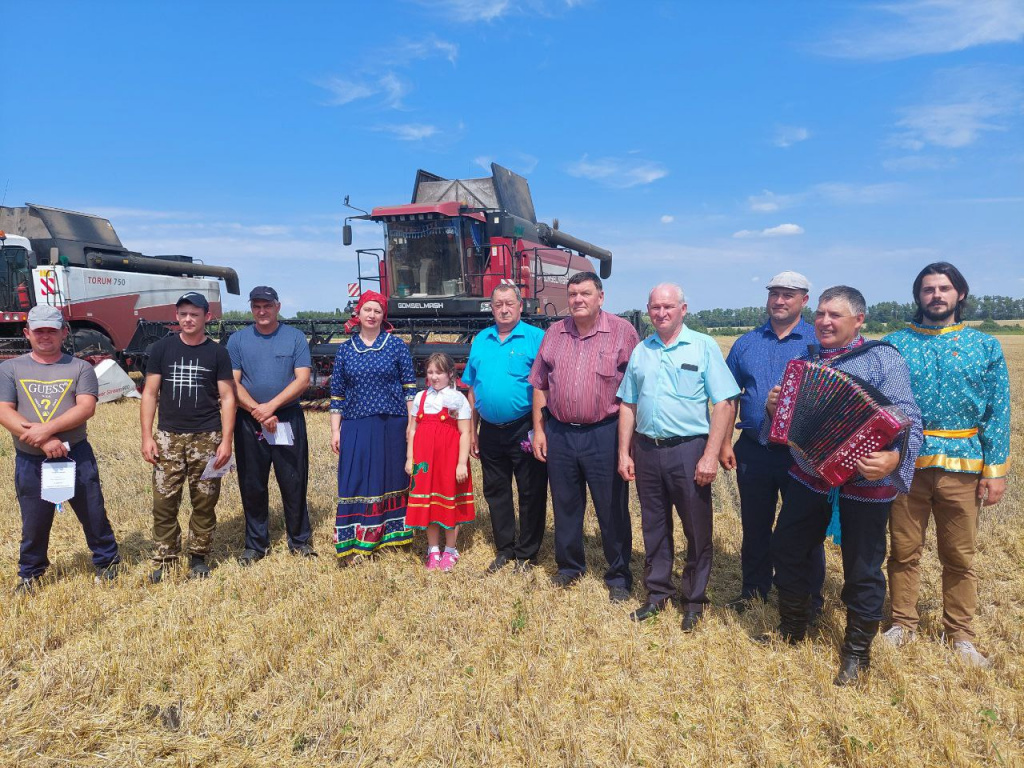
[372,387]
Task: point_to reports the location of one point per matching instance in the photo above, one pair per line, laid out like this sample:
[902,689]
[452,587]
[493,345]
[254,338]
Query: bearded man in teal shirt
[960,381]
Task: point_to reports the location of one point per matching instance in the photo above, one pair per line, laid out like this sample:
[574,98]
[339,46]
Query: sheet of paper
[283,435]
[58,481]
[210,473]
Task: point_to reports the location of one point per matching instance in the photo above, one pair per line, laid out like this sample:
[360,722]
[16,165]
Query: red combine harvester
[453,244]
[116,302]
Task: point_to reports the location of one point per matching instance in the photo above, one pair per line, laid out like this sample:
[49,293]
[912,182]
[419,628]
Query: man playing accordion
[861,503]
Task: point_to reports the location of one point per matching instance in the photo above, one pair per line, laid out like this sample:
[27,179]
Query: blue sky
[706,143]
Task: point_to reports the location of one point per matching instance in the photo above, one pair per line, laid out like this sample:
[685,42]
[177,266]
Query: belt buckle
[574,424]
[657,442]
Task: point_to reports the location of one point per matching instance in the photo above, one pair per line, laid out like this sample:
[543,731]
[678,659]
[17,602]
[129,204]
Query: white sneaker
[969,654]
[897,636]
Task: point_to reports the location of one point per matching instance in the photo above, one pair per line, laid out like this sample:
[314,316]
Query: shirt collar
[601,326]
[517,330]
[686,336]
[936,330]
[800,330]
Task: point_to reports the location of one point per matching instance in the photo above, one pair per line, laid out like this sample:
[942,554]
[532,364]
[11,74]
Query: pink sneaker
[434,561]
[448,561]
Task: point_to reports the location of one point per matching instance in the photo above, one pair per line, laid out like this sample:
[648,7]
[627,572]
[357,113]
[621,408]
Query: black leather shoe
[691,619]
[525,566]
[248,557]
[198,569]
[498,563]
[647,611]
[565,580]
[306,550]
[741,604]
[618,594]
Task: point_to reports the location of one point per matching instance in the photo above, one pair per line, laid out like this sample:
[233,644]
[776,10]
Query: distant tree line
[883,316]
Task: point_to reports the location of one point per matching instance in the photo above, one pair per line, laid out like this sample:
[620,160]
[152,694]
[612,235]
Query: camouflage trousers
[184,457]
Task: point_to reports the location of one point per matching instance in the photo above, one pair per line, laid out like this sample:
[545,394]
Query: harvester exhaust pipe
[559,239]
[158,266]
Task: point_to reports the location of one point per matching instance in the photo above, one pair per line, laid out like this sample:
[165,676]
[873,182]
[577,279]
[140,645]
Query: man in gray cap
[757,361]
[189,376]
[46,397]
[272,366]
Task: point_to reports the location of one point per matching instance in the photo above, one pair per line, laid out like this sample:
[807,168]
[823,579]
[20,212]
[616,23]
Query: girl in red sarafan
[438,463]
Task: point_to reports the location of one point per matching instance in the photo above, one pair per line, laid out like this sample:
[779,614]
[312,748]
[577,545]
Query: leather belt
[507,424]
[666,442]
[602,422]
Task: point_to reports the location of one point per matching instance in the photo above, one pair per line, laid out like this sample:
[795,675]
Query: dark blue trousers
[254,457]
[37,515]
[580,458]
[801,529]
[762,474]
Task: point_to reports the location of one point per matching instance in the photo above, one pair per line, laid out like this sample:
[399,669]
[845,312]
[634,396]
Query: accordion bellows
[833,419]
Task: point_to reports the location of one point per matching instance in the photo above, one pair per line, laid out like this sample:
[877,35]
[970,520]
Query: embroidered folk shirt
[960,380]
[372,380]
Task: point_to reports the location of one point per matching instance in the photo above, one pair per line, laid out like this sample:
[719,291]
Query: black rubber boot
[794,612]
[855,655]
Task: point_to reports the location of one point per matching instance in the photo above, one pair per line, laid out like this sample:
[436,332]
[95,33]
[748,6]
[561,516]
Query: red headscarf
[353,322]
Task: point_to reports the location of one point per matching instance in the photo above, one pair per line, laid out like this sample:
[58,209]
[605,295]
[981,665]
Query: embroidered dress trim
[368,499]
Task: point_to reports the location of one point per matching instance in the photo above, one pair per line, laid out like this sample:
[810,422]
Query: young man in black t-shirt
[189,377]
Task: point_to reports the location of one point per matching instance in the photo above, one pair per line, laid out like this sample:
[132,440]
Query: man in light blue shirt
[673,454]
[502,399]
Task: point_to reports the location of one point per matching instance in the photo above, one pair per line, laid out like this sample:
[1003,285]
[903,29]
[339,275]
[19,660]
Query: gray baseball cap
[45,316]
[194,298]
[789,279]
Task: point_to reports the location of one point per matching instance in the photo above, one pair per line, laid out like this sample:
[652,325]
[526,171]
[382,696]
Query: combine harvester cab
[453,244]
[116,302]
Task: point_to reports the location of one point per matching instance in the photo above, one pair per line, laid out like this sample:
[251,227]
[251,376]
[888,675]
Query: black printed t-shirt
[189,399]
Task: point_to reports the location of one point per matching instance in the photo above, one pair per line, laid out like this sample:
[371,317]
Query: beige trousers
[952,497]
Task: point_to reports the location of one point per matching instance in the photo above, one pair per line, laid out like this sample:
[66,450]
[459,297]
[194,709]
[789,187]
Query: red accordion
[833,419]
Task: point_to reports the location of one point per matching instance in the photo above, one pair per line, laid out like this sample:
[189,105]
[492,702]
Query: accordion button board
[832,419]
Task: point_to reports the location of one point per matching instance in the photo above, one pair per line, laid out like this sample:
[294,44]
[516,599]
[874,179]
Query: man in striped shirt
[575,412]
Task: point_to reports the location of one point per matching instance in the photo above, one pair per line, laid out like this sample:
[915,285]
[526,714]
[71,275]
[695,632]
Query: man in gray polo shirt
[272,366]
[46,397]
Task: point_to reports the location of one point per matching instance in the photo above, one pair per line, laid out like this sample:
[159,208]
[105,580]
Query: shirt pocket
[689,384]
[519,364]
[607,364]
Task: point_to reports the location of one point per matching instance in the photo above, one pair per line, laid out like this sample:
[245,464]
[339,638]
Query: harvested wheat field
[295,663]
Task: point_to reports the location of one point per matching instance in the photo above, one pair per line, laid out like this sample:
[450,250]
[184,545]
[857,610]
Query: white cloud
[788,135]
[521,163]
[666,219]
[620,173]
[969,103]
[782,230]
[489,10]
[917,163]
[755,279]
[389,87]
[405,51]
[898,30]
[833,192]
[409,131]
[344,91]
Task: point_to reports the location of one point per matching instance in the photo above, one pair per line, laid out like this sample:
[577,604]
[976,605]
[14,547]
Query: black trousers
[762,474]
[502,458]
[254,457]
[801,529]
[588,457]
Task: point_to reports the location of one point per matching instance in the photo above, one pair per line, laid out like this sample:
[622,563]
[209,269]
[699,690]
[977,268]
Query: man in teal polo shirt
[497,371]
[673,454]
